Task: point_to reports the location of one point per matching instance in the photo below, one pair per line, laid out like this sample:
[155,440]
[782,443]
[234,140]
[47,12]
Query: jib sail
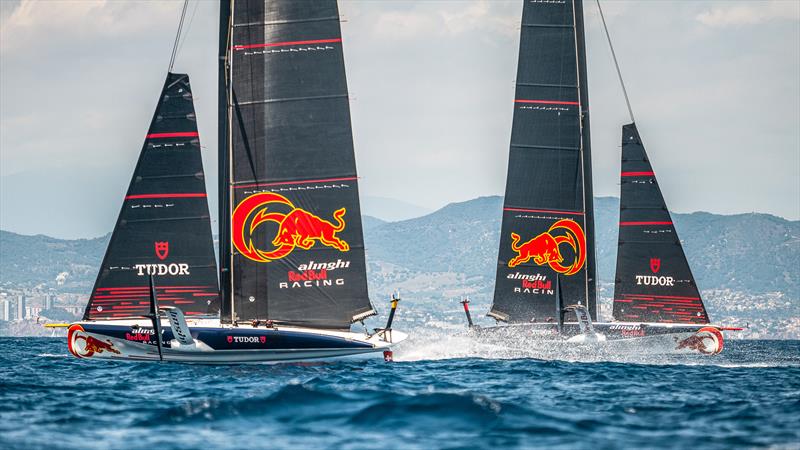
[163,228]
[294,240]
[653,281]
[547,228]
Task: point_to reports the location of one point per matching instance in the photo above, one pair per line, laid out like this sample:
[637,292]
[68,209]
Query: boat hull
[221,344]
[637,337]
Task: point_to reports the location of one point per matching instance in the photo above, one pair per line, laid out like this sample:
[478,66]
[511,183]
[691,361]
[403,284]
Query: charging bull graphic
[297,228]
[91,345]
[707,340]
[546,247]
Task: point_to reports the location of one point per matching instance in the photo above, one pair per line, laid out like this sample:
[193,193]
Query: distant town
[24,311]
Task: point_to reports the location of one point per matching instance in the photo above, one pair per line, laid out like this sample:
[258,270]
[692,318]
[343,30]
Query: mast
[586,146]
[163,229]
[223,166]
[296,242]
[653,281]
[547,226]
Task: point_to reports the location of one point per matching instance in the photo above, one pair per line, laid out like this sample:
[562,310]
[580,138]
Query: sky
[714,85]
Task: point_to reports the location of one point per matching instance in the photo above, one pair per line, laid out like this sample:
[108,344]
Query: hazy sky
[715,87]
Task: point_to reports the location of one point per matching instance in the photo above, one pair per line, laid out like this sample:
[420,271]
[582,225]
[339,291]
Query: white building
[20,308]
[5,310]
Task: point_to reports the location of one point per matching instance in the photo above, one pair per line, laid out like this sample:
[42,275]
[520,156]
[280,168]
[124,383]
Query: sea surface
[443,392]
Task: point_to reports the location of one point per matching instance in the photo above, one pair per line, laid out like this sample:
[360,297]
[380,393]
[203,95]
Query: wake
[440,341]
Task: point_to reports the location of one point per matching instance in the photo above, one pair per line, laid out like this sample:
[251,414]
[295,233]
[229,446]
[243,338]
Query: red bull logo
[707,340]
[297,228]
[85,346]
[546,247]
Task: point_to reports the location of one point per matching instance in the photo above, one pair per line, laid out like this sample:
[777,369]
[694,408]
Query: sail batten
[296,243]
[546,229]
[653,281]
[163,228]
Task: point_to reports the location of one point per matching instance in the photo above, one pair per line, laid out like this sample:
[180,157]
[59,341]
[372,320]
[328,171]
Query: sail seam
[168,177]
[282,22]
[279,183]
[287,43]
[571,86]
[629,224]
[547,102]
[170,195]
[549,211]
[545,25]
[290,99]
[545,147]
[166,219]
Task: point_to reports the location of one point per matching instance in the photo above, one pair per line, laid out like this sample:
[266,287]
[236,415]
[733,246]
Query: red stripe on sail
[283,44]
[631,224]
[637,174]
[171,195]
[295,182]
[173,135]
[677,301]
[661,296]
[116,288]
[548,211]
[546,102]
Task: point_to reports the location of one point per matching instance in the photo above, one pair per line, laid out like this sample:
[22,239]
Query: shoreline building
[20,312]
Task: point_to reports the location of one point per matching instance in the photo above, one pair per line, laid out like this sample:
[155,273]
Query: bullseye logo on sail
[546,248]
[296,228]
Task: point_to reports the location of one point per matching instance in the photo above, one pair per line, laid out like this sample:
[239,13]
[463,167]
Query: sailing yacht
[292,278]
[546,272]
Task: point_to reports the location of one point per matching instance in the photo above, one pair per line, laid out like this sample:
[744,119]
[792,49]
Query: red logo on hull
[91,345]
[162,250]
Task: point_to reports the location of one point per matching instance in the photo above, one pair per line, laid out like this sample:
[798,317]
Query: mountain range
[753,253]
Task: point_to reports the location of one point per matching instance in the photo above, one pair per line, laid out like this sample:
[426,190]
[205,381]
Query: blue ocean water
[747,397]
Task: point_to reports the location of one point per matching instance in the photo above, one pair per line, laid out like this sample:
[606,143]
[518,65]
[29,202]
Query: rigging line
[178,36]
[616,64]
[188,26]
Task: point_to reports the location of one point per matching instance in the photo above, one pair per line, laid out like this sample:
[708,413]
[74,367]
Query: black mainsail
[293,237]
[547,227]
[163,228]
[653,281]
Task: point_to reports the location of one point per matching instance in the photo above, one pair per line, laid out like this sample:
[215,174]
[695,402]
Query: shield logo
[230,339]
[162,250]
[655,264]
[263,339]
